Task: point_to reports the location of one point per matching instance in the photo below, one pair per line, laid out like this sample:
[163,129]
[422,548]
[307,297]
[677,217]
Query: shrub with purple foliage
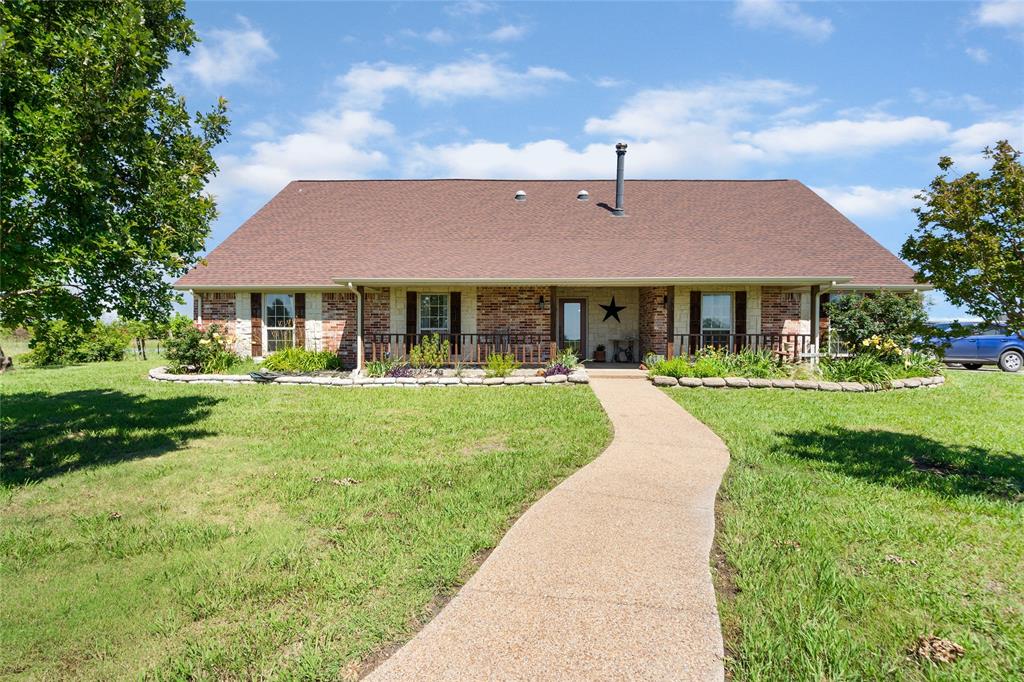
[557,368]
[400,371]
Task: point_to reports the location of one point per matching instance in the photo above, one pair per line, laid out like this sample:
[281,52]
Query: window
[280,321]
[433,313]
[716,314]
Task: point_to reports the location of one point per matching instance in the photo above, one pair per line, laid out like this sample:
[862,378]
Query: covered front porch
[616,324]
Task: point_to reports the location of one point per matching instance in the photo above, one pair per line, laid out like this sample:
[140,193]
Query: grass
[852,524]
[181,531]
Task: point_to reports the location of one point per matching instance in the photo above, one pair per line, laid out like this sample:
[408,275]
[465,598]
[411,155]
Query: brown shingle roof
[315,231]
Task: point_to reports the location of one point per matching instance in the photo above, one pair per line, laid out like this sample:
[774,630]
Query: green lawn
[176,531]
[853,523]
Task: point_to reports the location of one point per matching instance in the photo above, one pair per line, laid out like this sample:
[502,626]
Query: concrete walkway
[606,577]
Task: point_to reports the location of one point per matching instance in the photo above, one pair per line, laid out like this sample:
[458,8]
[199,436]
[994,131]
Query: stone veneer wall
[218,308]
[654,332]
[503,310]
[780,311]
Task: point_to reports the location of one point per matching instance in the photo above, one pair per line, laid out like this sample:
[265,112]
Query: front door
[572,325]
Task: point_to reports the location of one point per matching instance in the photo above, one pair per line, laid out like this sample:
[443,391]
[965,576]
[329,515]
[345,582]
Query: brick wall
[653,320]
[780,311]
[219,309]
[513,310]
[377,312]
[339,325]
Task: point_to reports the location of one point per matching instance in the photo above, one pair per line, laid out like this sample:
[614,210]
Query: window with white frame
[279,317]
[433,313]
[716,313]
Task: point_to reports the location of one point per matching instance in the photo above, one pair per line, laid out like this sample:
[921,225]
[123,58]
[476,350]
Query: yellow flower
[216,335]
[204,342]
[866,342]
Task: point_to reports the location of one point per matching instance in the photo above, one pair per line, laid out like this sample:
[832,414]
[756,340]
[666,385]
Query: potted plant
[599,353]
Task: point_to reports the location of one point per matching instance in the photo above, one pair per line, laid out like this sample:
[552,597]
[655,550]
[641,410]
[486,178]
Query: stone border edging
[845,386]
[577,377]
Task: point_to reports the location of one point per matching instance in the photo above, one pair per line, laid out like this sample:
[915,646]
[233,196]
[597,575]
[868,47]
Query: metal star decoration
[612,310]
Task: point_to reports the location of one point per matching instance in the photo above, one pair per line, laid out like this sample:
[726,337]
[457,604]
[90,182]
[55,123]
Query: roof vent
[520,195]
[582,195]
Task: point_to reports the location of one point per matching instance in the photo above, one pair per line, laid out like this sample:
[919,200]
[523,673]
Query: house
[364,268]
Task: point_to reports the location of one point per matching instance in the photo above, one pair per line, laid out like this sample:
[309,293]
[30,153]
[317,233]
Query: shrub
[757,364]
[58,343]
[501,364]
[400,370]
[557,368]
[430,353]
[919,364]
[888,315]
[865,368]
[378,368]
[712,362]
[566,357]
[190,349]
[676,367]
[301,360]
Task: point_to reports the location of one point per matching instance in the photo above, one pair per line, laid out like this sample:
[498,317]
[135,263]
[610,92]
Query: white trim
[266,326]
[419,312]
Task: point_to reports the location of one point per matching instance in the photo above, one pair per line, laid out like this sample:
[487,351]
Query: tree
[969,241]
[888,315]
[103,168]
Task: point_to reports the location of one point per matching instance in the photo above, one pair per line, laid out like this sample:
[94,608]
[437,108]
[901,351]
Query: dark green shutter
[256,313]
[740,314]
[695,312]
[300,320]
[411,320]
[455,318]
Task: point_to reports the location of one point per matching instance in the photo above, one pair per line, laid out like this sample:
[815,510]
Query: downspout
[358,291]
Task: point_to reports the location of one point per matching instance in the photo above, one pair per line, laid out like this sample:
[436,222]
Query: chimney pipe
[620,150]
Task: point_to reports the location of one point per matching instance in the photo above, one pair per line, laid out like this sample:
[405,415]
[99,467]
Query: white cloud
[368,84]
[329,146]
[608,82]
[946,100]
[438,36]
[968,142]
[260,129]
[230,55]
[469,8]
[655,113]
[716,130]
[978,54]
[844,136]
[787,16]
[863,201]
[507,33]
[1002,13]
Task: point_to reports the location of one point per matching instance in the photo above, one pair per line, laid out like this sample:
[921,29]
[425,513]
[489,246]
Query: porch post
[815,316]
[359,329]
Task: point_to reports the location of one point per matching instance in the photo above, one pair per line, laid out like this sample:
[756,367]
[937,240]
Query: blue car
[992,346]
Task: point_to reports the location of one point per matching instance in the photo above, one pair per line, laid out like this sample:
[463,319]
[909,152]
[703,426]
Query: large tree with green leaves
[103,167]
[969,241]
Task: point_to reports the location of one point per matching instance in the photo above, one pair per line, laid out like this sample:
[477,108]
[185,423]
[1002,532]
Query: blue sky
[857,100]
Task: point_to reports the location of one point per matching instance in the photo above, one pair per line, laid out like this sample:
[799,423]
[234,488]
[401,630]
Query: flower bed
[806,385]
[578,376]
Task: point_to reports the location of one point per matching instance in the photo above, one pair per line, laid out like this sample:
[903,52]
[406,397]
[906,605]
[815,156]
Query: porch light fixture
[540,302]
